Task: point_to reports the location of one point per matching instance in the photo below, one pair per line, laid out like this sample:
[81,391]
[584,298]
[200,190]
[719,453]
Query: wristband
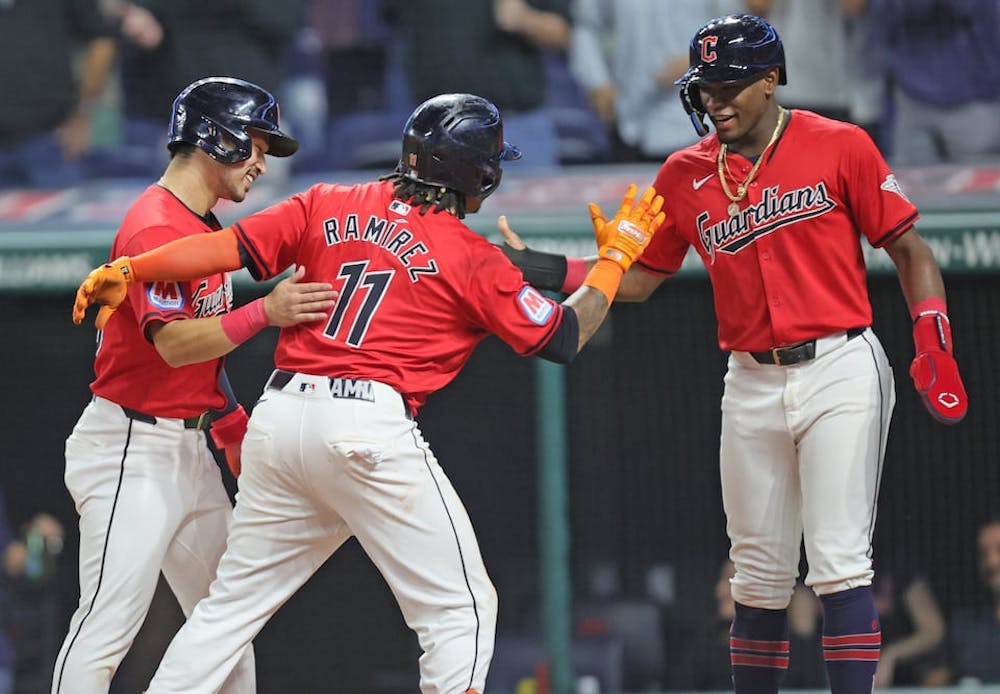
[605,276]
[245,322]
[932,304]
[576,272]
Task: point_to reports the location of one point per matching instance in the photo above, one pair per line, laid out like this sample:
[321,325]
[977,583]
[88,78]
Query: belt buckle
[776,355]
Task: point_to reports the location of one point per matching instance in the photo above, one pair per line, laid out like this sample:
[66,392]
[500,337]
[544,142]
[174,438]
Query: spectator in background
[913,631]
[352,45]
[488,47]
[975,633]
[626,56]
[45,535]
[704,663]
[837,72]
[943,61]
[337,68]
[168,44]
[45,121]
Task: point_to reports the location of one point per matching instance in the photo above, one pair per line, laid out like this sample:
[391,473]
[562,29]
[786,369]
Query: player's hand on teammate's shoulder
[293,301]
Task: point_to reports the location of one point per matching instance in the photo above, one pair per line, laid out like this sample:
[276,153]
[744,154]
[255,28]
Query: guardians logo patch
[536,307]
[166,296]
[775,210]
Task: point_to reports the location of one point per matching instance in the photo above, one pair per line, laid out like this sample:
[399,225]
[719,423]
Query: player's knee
[829,587]
[763,590]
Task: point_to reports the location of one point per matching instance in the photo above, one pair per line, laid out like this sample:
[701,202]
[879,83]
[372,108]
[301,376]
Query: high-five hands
[625,237]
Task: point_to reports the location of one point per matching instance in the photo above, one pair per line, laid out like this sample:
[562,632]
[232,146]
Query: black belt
[797,353]
[200,422]
[348,388]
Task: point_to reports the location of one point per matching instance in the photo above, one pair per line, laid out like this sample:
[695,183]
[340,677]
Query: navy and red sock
[758,649]
[852,640]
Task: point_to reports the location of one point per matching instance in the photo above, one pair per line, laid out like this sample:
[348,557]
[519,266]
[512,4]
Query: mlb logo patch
[165,295]
[892,185]
[399,207]
[536,307]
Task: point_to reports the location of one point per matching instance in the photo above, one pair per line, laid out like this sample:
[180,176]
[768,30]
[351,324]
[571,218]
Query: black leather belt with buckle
[199,422]
[797,353]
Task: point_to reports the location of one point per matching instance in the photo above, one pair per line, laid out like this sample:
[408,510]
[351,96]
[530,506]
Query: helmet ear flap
[691,99]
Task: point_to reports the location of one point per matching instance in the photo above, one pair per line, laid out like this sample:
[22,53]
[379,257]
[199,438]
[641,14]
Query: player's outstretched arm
[621,240]
[291,302]
[934,370]
[565,274]
[184,259]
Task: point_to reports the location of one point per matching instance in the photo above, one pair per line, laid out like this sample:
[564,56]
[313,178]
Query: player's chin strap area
[690,98]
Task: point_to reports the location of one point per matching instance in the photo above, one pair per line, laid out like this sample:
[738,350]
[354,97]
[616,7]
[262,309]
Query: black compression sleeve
[541,270]
[562,347]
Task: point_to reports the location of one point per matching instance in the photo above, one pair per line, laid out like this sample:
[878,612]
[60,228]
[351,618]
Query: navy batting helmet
[456,141]
[218,114]
[729,49]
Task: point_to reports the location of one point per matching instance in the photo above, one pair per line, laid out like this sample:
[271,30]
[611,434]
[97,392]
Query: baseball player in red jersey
[776,204]
[332,448]
[147,488]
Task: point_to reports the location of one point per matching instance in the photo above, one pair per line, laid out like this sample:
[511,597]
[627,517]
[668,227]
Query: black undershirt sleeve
[562,346]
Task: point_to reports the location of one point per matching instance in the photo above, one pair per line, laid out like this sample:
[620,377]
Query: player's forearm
[918,271]
[191,341]
[590,306]
[189,258]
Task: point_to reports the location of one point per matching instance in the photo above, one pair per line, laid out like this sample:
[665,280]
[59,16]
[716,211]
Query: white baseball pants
[316,470]
[801,456]
[150,499]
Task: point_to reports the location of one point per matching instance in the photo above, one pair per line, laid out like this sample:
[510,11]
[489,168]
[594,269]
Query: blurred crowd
[924,644]
[89,83]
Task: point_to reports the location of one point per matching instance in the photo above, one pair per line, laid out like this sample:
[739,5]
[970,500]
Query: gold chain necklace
[741,188]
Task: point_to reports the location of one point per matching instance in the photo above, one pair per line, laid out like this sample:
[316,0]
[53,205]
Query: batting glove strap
[931,332]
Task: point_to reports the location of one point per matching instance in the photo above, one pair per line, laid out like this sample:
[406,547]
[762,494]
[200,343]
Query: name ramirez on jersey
[383,233]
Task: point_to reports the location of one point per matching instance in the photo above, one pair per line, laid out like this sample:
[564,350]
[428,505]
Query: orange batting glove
[626,236]
[105,285]
[598,219]
[623,239]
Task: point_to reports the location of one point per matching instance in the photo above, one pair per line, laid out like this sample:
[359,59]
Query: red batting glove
[934,370]
[227,434]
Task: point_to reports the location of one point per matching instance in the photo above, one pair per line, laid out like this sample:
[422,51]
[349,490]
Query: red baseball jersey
[789,266]
[129,370]
[417,291]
